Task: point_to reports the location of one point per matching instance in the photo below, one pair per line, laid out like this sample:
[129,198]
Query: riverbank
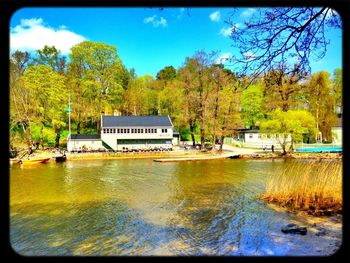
[188,155]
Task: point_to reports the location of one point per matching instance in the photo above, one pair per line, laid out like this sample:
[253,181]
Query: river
[140,207]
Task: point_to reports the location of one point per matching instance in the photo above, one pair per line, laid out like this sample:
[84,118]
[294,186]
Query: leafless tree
[279,35]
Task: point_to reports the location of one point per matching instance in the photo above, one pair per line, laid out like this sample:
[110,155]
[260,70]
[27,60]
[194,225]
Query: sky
[147,39]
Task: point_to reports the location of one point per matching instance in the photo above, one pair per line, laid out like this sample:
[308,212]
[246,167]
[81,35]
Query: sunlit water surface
[140,207]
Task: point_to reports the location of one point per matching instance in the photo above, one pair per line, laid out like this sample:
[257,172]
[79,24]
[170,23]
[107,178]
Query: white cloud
[149,19]
[247,13]
[215,16]
[249,55]
[156,23]
[223,57]
[32,34]
[228,31]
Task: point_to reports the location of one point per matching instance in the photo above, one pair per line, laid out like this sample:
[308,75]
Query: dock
[197,158]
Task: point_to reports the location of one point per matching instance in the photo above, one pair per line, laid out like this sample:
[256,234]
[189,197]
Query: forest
[205,100]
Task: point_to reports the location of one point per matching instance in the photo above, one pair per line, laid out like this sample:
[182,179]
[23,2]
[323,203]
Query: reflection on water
[140,207]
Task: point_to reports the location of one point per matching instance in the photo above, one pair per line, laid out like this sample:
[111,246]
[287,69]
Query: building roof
[85,137]
[248,130]
[136,121]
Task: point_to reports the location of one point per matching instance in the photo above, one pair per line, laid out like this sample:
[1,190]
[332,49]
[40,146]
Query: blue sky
[147,39]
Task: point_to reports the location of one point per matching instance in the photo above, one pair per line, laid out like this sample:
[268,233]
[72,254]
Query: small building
[84,142]
[337,130]
[256,138]
[129,133]
[176,137]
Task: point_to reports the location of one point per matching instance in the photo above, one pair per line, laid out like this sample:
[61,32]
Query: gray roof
[85,136]
[136,121]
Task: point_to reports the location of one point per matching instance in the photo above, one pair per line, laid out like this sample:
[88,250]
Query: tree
[251,100]
[337,87]
[48,91]
[168,73]
[101,76]
[289,126]
[196,77]
[322,103]
[280,84]
[51,57]
[21,100]
[275,34]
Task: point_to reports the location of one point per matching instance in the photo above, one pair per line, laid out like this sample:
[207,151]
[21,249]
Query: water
[140,207]
[320,149]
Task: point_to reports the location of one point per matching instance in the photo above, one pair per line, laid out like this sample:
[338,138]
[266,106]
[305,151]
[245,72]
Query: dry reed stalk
[315,186]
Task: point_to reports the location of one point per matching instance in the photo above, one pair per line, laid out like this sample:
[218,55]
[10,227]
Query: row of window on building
[133,130]
[268,136]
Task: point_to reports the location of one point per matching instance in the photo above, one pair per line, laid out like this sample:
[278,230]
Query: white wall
[262,138]
[337,135]
[144,146]
[89,144]
[111,138]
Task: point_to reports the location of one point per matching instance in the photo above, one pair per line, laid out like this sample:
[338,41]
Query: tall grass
[314,186]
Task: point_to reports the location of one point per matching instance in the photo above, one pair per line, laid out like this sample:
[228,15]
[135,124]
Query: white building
[127,133]
[258,139]
[84,142]
[337,130]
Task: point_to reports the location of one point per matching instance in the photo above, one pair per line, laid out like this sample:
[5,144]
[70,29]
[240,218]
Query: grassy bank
[315,187]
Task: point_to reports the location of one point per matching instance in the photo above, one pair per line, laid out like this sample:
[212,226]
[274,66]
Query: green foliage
[322,103]
[201,97]
[293,123]
[48,135]
[168,73]
[251,101]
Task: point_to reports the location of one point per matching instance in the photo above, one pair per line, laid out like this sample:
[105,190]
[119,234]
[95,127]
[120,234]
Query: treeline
[205,100]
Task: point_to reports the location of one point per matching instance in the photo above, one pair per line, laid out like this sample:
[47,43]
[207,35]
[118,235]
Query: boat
[35,160]
[61,158]
[13,160]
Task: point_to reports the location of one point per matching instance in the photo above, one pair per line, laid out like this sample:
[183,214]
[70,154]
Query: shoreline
[197,156]
[179,155]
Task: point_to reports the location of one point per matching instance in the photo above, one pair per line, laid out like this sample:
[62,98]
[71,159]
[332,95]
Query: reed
[313,186]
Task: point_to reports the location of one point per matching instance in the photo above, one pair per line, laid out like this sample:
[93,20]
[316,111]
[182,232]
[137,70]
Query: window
[138,131]
[132,130]
[104,131]
[121,130]
[124,130]
[141,130]
[146,130]
[128,130]
[113,130]
[164,130]
[107,130]
[250,136]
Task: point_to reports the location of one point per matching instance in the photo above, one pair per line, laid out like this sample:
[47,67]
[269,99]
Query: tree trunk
[28,134]
[78,127]
[192,133]
[291,145]
[57,143]
[215,118]
[42,136]
[221,143]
